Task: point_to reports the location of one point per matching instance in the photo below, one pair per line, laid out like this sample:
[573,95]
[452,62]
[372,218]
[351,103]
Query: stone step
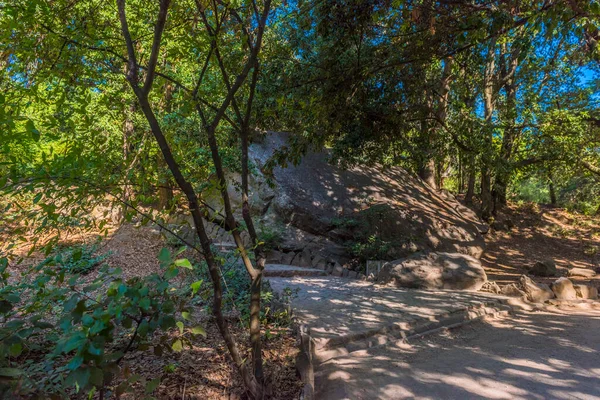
[280,270]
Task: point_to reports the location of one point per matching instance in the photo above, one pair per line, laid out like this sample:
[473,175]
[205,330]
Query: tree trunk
[487,156]
[471,181]
[165,190]
[213,267]
[505,169]
[128,133]
[427,172]
[260,256]
[551,189]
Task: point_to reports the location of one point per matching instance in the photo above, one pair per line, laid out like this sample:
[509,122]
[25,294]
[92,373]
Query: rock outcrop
[564,290]
[535,292]
[435,270]
[319,209]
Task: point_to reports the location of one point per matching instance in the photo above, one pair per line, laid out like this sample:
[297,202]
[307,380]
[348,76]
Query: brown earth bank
[526,233]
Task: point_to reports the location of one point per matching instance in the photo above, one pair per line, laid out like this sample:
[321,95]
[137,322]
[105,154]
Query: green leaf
[31,129]
[186,315]
[37,198]
[145,303]
[75,363]
[180,326]
[164,256]
[96,377]
[198,330]
[11,372]
[184,263]
[15,350]
[143,328]
[177,345]
[195,287]
[79,377]
[152,385]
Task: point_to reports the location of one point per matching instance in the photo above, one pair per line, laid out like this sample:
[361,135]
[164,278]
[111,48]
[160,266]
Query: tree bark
[471,182]
[505,169]
[487,156]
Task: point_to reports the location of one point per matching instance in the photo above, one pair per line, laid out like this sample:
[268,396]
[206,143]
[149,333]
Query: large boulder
[435,270]
[544,268]
[328,207]
[536,292]
[564,290]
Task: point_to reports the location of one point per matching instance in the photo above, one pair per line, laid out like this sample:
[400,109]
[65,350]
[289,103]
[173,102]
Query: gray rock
[535,292]
[345,272]
[337,270]
[274,257]
[305,258]
[544,268]
[316,260]
[287,258]
[582,272]
[563,289]
[353,274]
[435,270]
[322,264]
[306,199]
[330,267]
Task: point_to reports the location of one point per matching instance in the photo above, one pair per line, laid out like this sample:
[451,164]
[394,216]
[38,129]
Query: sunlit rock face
[435,270]
[326,209]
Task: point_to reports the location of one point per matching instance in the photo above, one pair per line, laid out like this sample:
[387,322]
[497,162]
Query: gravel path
[531,355]
[337,307]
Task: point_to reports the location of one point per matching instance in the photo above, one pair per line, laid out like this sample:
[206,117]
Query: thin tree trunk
[471,182]
[256,286]
[488,95]
[141,93]
[551,189]
[214,269]
[504,172]
[165,190]
[128,133]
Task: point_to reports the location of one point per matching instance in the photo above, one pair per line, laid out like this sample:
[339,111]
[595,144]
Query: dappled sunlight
[533,356]
[336,307]
[548,233]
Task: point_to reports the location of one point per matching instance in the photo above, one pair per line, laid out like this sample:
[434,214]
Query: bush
[270,237]
[236,295]
[79,259]
[61,335]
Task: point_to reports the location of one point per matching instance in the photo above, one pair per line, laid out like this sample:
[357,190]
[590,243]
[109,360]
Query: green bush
[236,295]
[81,331]
[270,237]
[78,259]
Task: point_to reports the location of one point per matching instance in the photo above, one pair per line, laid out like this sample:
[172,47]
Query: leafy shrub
[236,295]
[83,331]
[270,237]
[79,259]
[373,248]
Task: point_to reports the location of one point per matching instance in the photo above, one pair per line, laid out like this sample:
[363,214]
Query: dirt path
[527,356]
